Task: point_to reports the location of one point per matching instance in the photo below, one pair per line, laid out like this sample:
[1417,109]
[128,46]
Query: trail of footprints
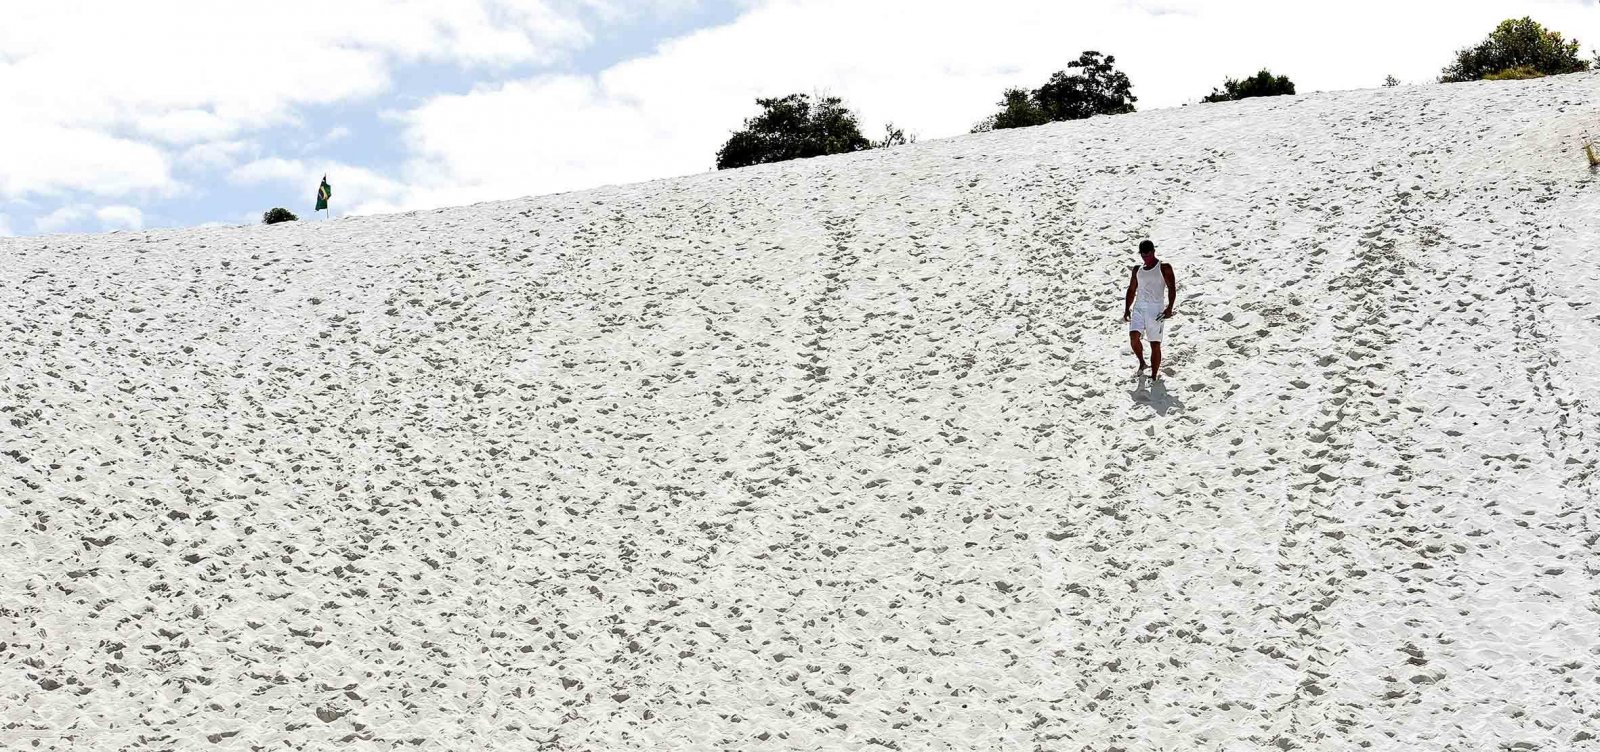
[835,453]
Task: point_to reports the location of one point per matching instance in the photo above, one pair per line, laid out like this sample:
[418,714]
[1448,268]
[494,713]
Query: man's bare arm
[1172,289]
[1133,287]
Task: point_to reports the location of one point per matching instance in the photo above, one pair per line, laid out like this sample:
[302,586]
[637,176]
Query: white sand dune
[842,453]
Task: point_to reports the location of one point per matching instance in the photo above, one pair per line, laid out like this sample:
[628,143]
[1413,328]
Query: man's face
[1148,257]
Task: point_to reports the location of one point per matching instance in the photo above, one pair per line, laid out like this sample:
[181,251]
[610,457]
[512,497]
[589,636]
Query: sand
[842,453]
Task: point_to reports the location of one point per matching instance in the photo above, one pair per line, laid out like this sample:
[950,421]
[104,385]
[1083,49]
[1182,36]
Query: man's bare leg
[1138,349]
[1155,360]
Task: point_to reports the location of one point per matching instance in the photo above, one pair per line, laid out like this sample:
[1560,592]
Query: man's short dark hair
[1146,246]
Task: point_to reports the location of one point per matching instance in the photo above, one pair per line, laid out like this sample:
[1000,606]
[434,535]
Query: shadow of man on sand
[1155,395]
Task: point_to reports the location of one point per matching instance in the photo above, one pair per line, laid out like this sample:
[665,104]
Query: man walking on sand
[1145,311]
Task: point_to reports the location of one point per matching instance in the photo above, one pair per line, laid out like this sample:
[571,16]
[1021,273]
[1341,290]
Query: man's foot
[1140,369]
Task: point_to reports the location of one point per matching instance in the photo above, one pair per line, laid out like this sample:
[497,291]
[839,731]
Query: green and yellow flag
[324,192]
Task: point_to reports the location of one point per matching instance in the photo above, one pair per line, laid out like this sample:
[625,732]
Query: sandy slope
[841,453]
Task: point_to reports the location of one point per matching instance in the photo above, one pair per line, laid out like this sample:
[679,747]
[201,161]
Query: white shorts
[1147,319]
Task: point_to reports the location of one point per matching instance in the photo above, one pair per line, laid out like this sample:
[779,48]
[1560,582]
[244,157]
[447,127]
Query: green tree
[1516,43]
[1091,85]
[1017,110]
[1096,88]
[278,214]
[793,127]
[1262,84]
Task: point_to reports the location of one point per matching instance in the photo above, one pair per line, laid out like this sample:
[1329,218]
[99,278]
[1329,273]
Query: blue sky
[374,140]
[360,130]
[180,113]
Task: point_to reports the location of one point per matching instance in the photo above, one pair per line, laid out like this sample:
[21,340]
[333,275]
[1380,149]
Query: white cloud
[97,89]
[548,134]
[75,217]
[214,155]
[59,219]
[356,190]
[186,126]
[120,215]
[41,159]
[268,170]
[935,68]
[5,226]
[334,135]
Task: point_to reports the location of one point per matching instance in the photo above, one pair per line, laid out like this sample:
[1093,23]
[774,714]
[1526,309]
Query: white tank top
[1152,287]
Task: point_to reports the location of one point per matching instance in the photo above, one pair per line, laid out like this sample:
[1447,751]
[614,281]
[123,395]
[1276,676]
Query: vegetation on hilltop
[1262,84]
[278,214]
[1517,48]
[1096,87]
[793,127]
